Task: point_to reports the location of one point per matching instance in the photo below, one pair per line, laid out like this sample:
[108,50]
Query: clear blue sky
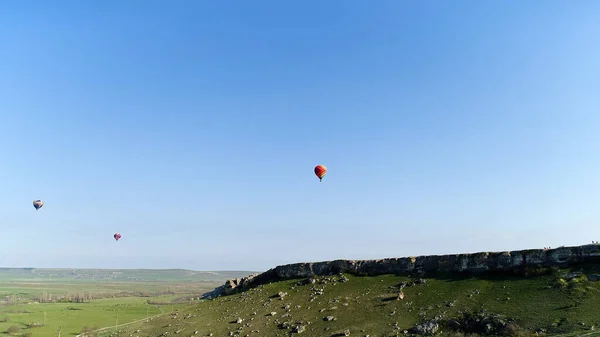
[192,127]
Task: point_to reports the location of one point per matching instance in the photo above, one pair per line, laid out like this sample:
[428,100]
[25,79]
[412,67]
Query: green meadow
[49,302]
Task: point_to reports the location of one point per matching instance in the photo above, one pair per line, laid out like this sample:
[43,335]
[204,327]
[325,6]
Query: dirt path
[162,312]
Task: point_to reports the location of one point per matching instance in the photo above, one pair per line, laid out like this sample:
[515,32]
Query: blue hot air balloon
[38,204]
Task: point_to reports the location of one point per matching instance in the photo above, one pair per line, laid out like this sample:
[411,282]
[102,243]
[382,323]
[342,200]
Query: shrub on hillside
[512,330]
[462,334]
[34,325]
[13,329]
[485,323]
[560,283]
[540,271]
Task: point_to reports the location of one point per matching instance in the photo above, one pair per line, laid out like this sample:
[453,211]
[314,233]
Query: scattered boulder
[400,295]
[571,276]
[593,277]
[299,329]
[481,322]
[427,328]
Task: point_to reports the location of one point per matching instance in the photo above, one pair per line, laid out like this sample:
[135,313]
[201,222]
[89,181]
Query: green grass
[117,275]
[132,294]
[34,291]
[368,305]
[30,285]
[72,317]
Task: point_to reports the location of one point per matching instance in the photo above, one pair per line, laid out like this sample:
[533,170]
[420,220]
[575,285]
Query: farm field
[44,302]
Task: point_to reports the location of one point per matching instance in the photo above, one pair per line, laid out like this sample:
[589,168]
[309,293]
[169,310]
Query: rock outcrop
[459,263]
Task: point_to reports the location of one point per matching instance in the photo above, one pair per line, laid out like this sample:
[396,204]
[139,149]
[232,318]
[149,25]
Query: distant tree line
[10,299]
[85,296]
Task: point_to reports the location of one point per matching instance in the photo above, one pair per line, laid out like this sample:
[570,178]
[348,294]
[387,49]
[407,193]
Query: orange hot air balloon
[320,171]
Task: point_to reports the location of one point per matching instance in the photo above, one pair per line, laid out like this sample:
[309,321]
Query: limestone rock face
[475,262]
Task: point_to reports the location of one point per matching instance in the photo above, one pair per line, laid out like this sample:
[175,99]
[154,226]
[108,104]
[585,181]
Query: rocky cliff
[459,263]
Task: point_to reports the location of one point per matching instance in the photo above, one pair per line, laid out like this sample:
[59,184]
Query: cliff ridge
[506,261]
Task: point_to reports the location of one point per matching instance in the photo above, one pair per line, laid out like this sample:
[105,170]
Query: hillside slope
[548,300]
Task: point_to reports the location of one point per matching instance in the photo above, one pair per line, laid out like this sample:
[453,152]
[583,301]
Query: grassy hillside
[550,300]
